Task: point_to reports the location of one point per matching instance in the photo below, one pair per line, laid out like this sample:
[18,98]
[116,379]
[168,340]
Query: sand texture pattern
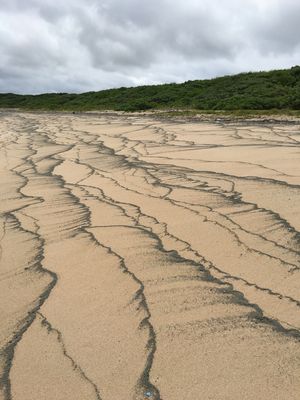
[148,259]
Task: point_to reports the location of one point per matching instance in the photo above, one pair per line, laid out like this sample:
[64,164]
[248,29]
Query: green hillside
[278,89]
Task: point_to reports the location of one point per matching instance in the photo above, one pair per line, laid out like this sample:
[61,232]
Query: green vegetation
[273,90]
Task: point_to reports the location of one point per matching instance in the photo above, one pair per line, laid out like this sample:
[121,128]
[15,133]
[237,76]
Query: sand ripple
[148,259]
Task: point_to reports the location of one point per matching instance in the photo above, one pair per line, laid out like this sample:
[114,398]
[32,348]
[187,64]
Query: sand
[148,259]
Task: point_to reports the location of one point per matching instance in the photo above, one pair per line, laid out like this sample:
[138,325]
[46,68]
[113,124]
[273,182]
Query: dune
[144,258]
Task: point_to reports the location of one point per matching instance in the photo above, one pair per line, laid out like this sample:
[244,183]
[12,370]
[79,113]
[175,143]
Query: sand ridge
[148,259]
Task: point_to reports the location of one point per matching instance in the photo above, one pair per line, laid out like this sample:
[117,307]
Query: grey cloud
[279,31]
[83,45]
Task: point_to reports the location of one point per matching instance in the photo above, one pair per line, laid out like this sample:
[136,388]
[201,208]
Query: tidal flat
[148,258]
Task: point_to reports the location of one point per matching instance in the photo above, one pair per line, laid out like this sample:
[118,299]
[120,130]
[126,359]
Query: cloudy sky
[82,45]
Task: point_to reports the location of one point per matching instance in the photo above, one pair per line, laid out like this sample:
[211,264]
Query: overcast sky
[82,45]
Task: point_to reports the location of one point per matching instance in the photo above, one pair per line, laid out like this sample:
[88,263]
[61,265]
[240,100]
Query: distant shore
[251,116]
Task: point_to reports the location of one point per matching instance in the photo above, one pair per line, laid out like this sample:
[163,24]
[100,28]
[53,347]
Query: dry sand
[148,259]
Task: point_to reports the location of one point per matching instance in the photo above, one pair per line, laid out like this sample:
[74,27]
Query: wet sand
[148,259]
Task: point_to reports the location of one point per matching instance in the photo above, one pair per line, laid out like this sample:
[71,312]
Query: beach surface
[143,258]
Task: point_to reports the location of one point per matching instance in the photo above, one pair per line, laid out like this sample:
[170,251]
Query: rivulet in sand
[148,259]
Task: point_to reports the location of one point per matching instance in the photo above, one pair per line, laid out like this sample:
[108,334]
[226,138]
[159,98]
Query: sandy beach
[143,258]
